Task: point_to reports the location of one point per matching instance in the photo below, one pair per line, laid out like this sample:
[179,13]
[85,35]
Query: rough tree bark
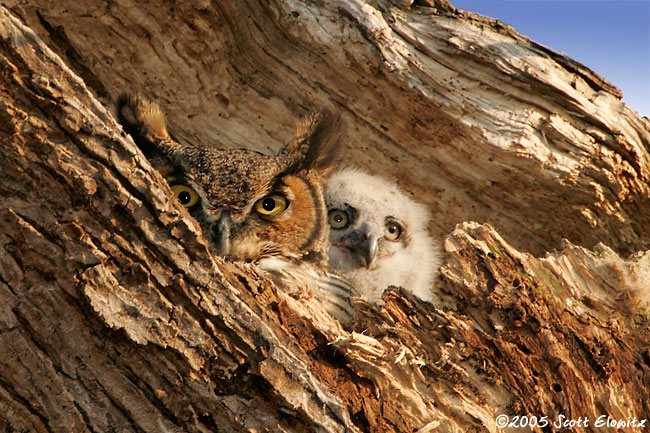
[115,317]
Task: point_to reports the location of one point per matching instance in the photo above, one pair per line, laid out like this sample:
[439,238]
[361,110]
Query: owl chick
[379,236]
[251,207]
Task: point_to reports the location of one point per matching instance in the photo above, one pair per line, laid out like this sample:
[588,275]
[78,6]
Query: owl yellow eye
[271,205]
[185,195]
[393,231]
[338,219]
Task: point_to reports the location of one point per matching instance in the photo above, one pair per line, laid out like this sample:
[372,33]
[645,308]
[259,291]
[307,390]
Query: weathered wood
[115,317]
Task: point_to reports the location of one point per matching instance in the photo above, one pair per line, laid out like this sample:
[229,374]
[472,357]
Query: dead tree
[115,317]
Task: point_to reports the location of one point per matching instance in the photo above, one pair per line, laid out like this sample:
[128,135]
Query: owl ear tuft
[317,144]
[145,121]
[141,118]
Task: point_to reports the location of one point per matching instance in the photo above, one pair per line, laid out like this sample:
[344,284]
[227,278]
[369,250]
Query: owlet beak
[369,248]
[363,244]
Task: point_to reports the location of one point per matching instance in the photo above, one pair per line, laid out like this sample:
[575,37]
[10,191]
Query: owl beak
[369,248]
[221,235]
[363,244]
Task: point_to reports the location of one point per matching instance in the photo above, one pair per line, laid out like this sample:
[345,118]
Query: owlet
[379,236]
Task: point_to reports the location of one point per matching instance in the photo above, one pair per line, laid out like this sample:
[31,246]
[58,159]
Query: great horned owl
[267,210]
[379,236]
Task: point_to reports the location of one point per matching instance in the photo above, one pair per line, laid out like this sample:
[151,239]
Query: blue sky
[611,37]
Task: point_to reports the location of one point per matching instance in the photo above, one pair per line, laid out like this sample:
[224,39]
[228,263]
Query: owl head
[379,236]
[249,205]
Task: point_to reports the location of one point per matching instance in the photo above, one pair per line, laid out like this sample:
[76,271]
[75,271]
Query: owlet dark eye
[393,231]
[338,219]
[185,195]
[271,205]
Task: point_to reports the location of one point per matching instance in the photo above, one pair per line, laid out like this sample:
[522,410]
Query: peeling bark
[115,317]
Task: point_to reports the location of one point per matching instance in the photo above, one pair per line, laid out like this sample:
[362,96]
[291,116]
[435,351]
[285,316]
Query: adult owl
[266,210]
[379,236]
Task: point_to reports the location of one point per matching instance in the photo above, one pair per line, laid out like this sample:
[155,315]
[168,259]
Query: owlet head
[249,205]
[379,235]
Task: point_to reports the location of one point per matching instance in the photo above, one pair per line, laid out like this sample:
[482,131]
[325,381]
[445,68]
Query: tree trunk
[114,316]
